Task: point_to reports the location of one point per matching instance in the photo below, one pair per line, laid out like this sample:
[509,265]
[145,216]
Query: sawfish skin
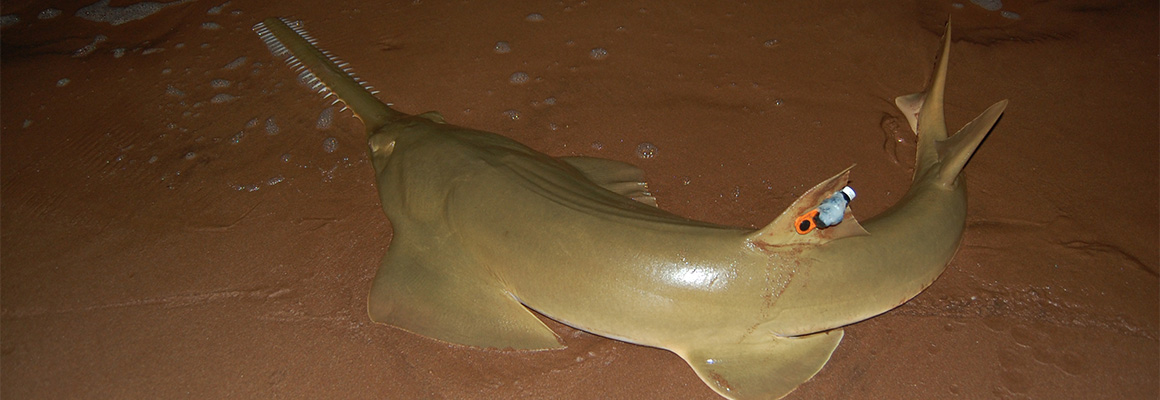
[486,228]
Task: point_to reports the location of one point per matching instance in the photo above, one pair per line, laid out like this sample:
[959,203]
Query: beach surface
[182,219]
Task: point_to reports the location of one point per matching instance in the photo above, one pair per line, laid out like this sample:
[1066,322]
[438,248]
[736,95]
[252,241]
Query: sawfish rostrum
[486,228]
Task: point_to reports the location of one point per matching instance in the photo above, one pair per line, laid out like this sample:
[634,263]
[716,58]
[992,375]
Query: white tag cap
[849,192]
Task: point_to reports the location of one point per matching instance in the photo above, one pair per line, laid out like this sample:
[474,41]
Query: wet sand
[174,226]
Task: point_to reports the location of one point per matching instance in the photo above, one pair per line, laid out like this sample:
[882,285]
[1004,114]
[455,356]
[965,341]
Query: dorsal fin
[781,231]
[924,110]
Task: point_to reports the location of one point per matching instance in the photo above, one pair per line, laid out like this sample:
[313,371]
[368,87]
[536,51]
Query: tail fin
[323,72]
[924,111]
[954,152]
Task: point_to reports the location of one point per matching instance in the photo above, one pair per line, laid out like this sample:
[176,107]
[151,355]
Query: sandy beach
[182,219]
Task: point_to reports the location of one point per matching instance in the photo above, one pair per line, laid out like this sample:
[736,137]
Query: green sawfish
[485,228]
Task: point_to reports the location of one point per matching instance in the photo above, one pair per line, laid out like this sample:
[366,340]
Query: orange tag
[805,223]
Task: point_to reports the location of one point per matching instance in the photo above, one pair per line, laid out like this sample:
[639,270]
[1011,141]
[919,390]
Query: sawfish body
[486,228]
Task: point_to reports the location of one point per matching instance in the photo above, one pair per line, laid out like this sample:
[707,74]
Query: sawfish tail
[323,72]
[855,270]
[938,152]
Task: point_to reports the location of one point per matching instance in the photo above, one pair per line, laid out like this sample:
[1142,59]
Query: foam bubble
[48,13]
[989,5]
[325,118]
[101,12]
[502,48]
[534,17]
[275,180]
[771,43]
[1009,14]
[215,10]
[237,138]
[330,145]
[172,91]
[519,78]
[220,83]
[222,98]
[91,47]
[237,62]
[598,53]
[646,150]
[62,82]
[210,26]
[513,114]
[9,20]
[271,127]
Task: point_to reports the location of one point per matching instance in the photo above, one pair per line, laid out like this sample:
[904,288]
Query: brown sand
[156,244]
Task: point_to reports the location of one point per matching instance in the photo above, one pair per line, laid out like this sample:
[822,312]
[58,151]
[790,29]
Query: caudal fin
[323,72]
[925,112]
[954,152]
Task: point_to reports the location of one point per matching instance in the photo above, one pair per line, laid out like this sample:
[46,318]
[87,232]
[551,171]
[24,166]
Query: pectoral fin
[430,289]
[768,369]
[619,177]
